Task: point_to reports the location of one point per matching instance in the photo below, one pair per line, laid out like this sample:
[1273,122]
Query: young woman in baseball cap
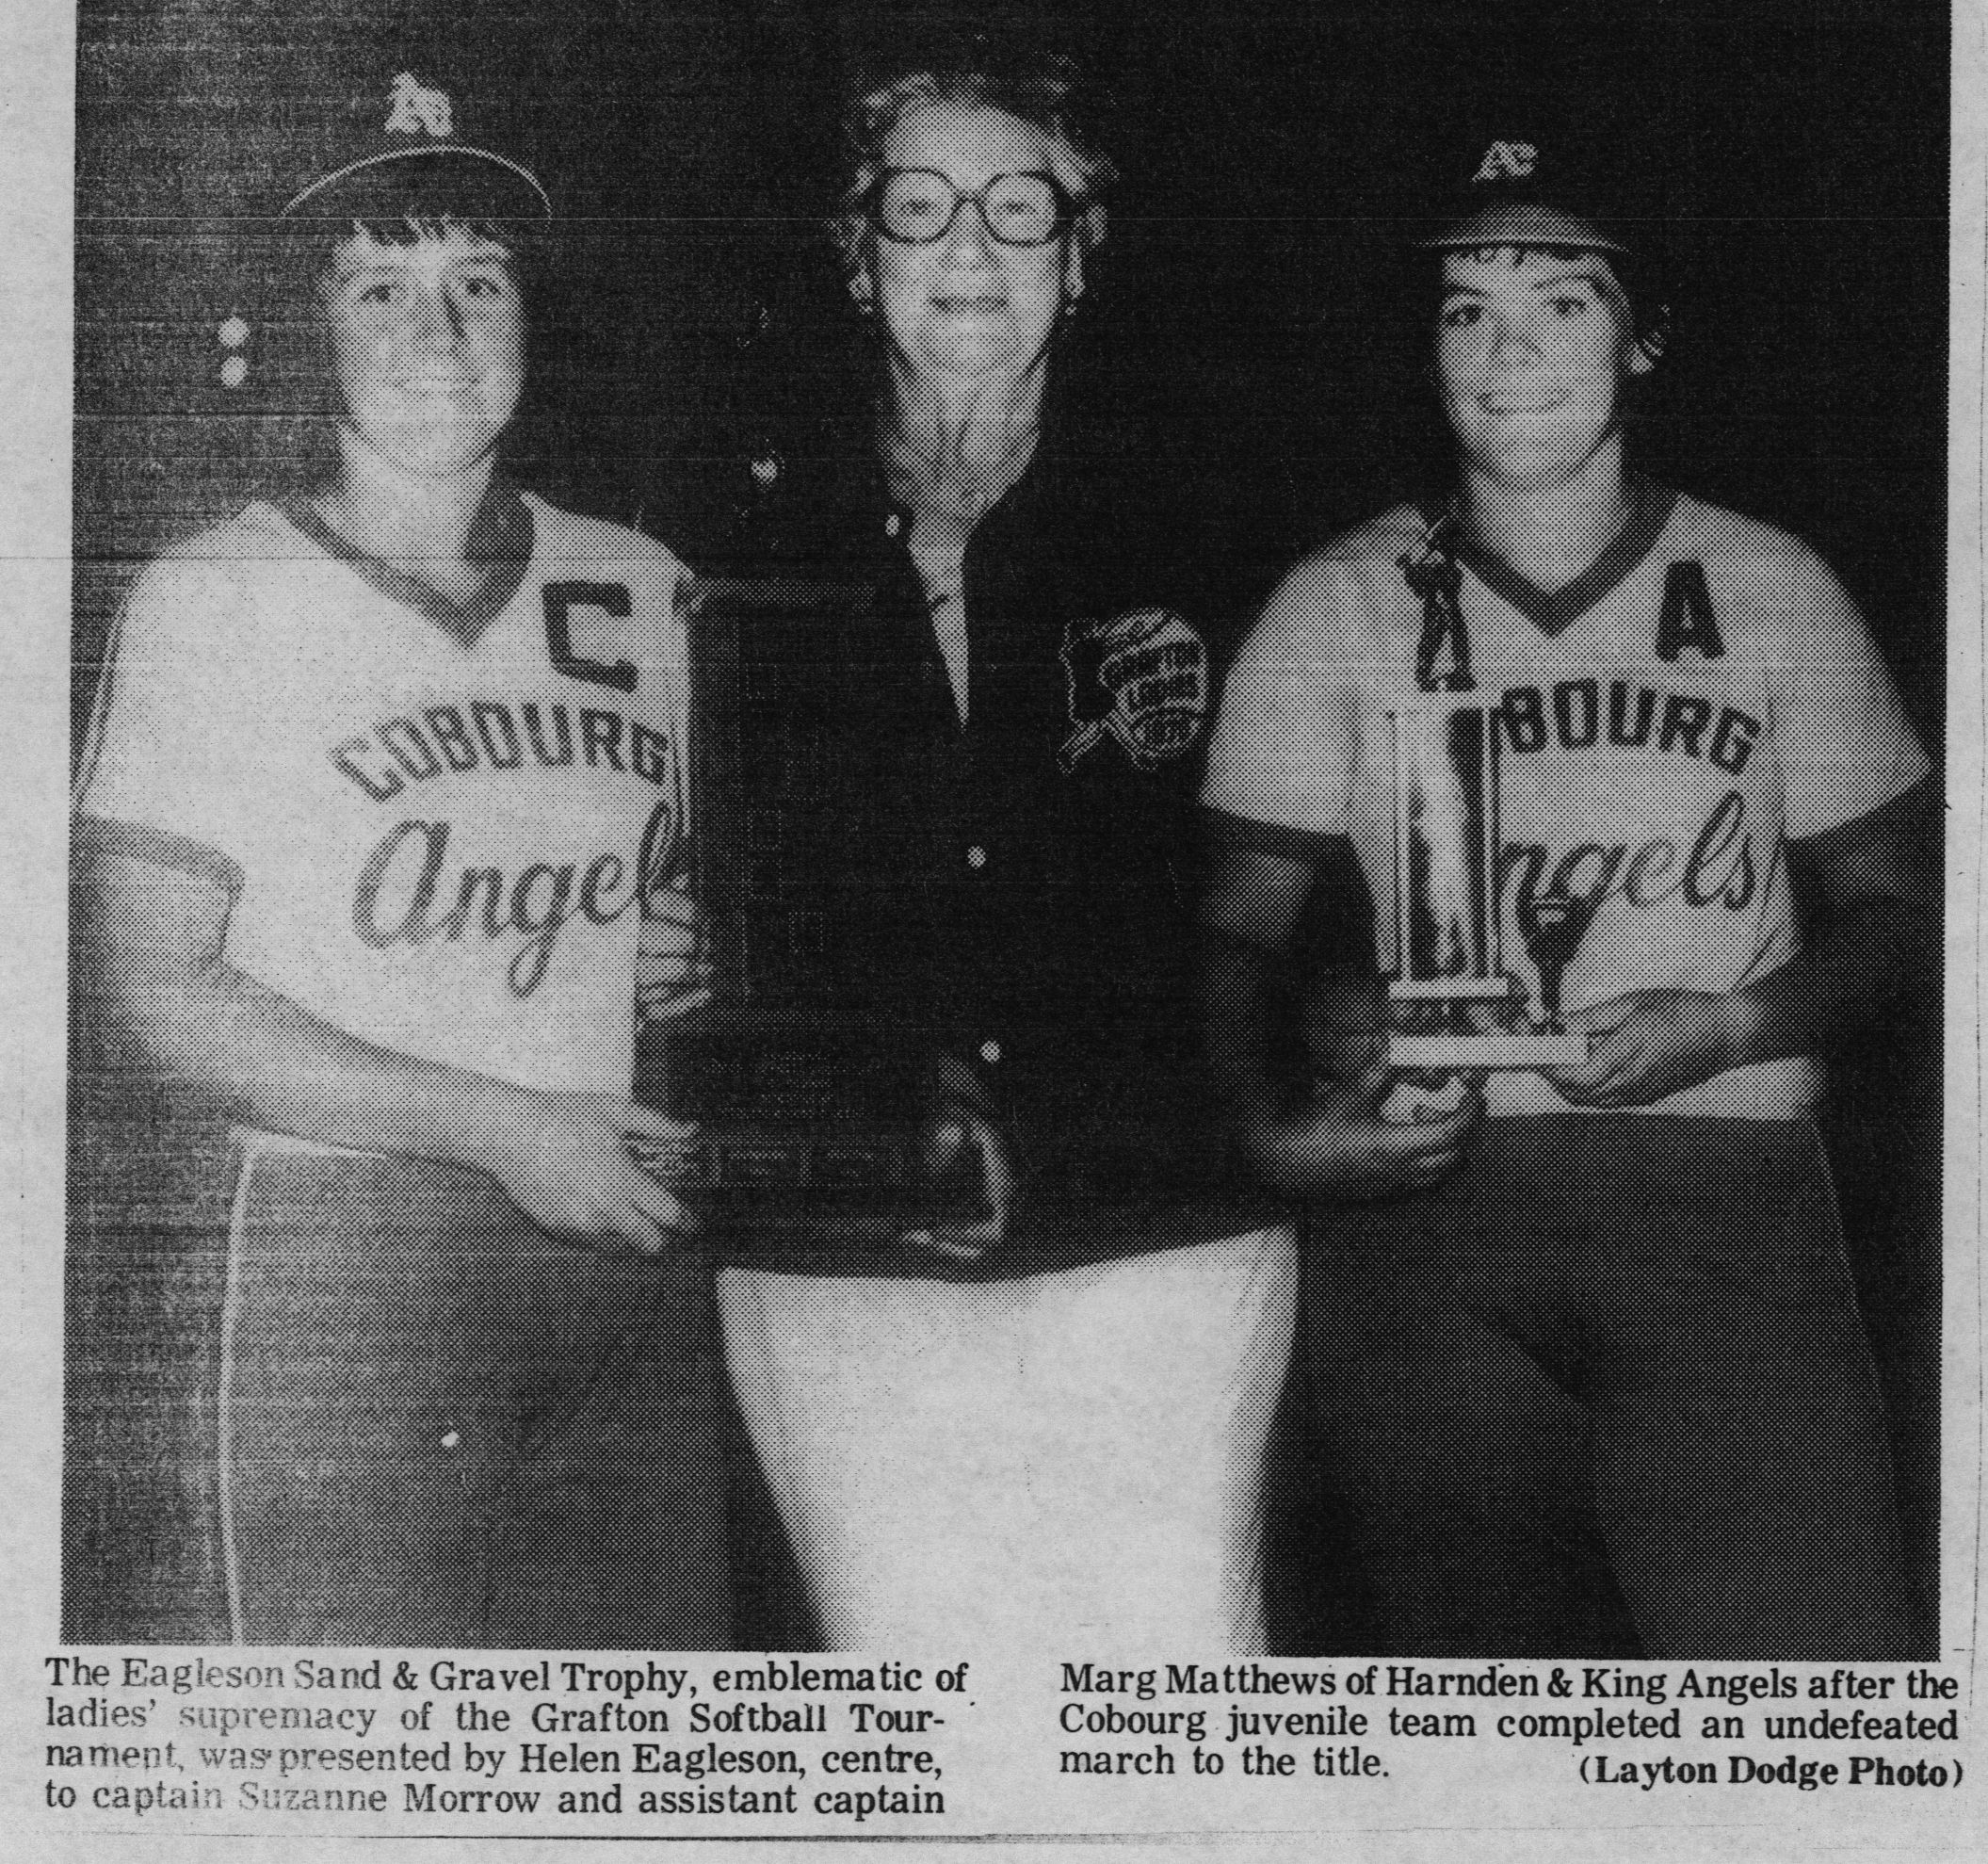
[384,797]
[1591,1376]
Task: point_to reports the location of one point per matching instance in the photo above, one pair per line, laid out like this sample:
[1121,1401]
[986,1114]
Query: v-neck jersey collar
[501,537]
[1553,611]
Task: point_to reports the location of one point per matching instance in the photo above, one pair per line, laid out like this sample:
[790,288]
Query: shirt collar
[1553,611]
[501,539]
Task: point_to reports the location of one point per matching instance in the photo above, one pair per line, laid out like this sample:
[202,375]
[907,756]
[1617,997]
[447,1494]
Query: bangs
[1629,283]
[1522,250]
[412,228]
[318,250]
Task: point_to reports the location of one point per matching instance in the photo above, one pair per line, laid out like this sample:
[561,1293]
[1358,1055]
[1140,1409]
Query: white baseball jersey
[439,822]
[1704,693]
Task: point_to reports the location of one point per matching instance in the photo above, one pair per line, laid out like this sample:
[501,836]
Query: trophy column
[1453,1005]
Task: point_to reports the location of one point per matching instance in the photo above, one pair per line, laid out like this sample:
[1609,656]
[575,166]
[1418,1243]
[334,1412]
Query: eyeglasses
[919,206]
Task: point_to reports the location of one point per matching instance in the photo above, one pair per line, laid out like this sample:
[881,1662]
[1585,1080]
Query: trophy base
[757,1186]
[1453,990]
[1518,1048]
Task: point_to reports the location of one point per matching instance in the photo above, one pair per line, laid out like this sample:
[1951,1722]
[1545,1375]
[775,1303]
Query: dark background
[1249,297]
[1250,303]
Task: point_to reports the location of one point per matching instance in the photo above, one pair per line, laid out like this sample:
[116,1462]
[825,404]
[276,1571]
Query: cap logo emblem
[1507,161]
[418,109]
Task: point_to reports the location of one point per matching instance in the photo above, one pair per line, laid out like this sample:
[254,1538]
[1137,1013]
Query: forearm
[159,936]
[1249,917]
[1237,983]
[1861,975]
[1235,1021]
[278,1066]
[1332,1140]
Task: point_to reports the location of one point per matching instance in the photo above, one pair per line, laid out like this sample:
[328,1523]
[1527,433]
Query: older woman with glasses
[1051,1423]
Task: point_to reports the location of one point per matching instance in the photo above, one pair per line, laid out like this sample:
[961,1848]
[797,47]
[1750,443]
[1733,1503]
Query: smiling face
[428,340]
[1533,348]
[966,305]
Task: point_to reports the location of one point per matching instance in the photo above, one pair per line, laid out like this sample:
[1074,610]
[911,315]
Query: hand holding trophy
[1453,1006]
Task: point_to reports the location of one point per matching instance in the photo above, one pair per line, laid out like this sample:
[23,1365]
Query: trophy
[791,1153]
[1453,1004]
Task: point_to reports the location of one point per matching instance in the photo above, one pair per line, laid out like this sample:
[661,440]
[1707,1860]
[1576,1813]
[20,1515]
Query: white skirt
[1072,1460]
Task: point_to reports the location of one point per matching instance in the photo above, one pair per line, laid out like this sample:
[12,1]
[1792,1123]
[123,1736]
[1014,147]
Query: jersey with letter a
[1704,693]
[439,822]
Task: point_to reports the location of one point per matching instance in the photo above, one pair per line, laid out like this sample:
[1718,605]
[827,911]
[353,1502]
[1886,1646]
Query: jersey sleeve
[1280,760]
[161,774]
[1845,744]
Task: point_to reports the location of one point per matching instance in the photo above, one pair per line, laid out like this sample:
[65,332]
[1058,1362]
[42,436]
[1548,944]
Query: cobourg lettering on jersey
[395,897]
[1576,717]
[488,737]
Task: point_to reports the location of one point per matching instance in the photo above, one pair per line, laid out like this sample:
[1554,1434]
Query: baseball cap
[1525,188]
[406,141]
[1521,185]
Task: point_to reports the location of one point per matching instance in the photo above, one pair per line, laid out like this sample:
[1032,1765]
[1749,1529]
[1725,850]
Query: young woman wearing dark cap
[384,795]
[1589,1373]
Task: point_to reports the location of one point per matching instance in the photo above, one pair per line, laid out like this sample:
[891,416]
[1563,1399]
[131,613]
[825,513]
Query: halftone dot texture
[429,812]
[342,1397]
[1589,188]
[1667,720]
[328,1397]
[1605,1393]
[323,1398]
[1070,1460]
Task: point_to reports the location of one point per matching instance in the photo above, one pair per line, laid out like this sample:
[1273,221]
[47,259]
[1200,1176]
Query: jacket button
[893,525]
[989,1051]
[976,857]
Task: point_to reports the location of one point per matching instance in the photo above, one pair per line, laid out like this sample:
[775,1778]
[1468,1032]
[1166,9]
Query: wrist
[494,1118]
[1264,1137]
[1742,1022]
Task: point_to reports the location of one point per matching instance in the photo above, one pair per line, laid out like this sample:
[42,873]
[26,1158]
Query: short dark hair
[1553,189]
[522,245]
[400,202]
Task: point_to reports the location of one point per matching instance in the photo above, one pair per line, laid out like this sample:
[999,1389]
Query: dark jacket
[1018,893]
